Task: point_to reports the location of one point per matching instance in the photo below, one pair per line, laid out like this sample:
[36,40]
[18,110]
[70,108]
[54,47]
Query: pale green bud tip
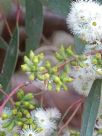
[48,64]
[31,77]
[46,76]
[35,60]
[31,55]
[25,67]
[41,56]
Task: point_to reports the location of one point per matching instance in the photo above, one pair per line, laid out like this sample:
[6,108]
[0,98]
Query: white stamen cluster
[85,20]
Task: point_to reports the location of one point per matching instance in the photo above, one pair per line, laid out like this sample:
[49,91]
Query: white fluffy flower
[85,20]
[28,132]
[43,121]
[53,113]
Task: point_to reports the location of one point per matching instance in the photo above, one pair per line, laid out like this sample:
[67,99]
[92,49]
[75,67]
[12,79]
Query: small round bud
[69,51]
[28,96]
[41,56]
[17,104]
[54,69]
[35,60]
[46,76]
[14,111]
[41,69]
[19,114]
[4,116]
[94,61]
[31,107]
[48,64]
[20,94]
[31,77]
[49,86]
[19,123]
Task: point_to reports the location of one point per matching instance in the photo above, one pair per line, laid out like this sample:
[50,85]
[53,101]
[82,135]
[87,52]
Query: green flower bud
[69,79]
[31,77]
[33,68]
[4,116]
[16,134]
[28,96]
[56,79]
[25,68]
[17,104]
[14,111]
[41,69]
[94,61]
[40,77]
[19,123]
[30,121]
[98,55]
[35,60]
[31,107]
[74,63]
[19,114]
[54,69]
[69,51]
[46,76]
[20,94]
[26,104]
[31,55]
[65,87]
[58,87]
[48,64]
[25,126]
[41,56]
[59,56]
[49,86]
[27,60]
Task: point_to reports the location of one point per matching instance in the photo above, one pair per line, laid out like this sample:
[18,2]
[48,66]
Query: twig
[71,117]
[7,25]
[11,100]
[69,108]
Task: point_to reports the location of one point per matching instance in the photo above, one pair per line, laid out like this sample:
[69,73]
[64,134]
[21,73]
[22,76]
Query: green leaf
[34,23]
[3,44]
[60,7]
[91,109]
[10,60]
[79,45]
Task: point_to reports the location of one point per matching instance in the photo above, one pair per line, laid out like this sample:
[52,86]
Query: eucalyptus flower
[85,20]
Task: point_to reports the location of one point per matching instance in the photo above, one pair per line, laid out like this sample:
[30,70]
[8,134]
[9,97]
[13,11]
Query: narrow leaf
[10,60]
[34,23]
[3,44]
[60,7]
[91,109]
[79,45]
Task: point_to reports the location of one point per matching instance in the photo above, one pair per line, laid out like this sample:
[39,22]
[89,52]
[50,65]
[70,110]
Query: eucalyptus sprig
[56,76]
[19,116]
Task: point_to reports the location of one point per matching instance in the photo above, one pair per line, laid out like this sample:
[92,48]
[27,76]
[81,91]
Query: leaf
[91,109]
[10,60]
[3,44]
[79,45]
[34,23]
[60,7]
